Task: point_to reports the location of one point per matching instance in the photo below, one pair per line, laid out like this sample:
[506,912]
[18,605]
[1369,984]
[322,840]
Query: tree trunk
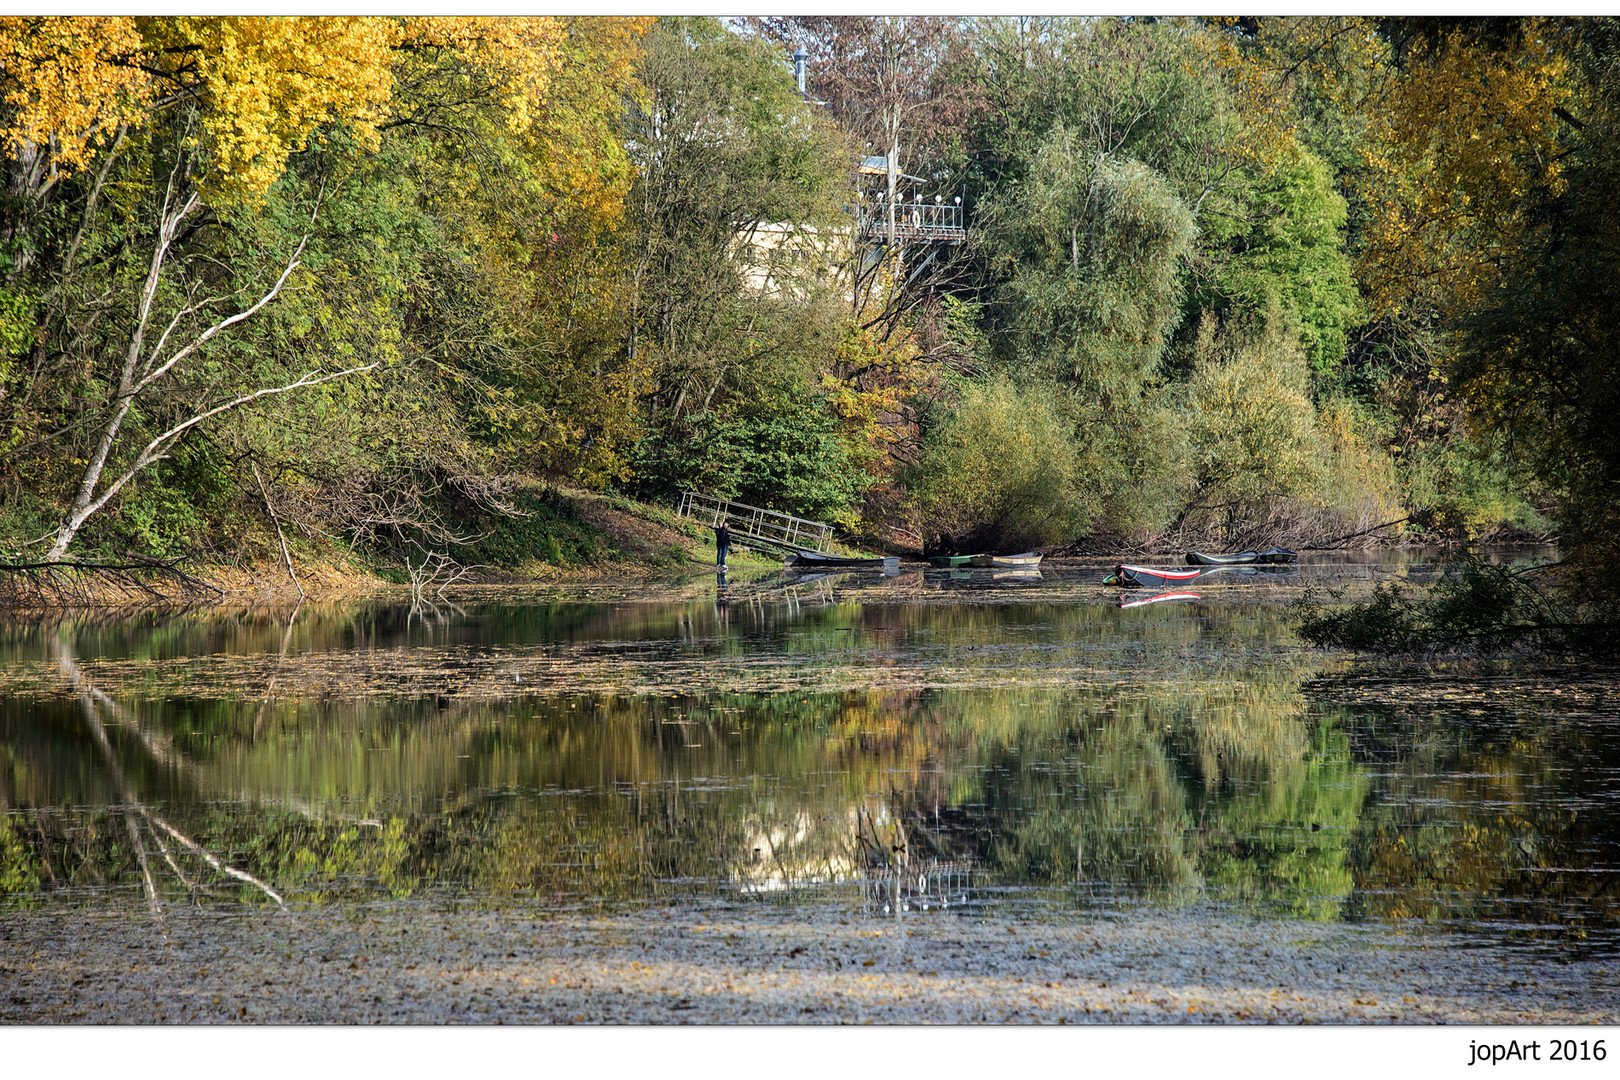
[142,369]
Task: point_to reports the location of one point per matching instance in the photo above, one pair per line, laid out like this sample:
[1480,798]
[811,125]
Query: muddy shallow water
[932,758]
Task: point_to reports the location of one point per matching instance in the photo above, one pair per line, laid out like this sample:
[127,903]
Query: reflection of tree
[652,797]
[274,845]
[1204,784]
[1204,776]
[1207,776]
[1284,842]
[1541,853]
[91,701]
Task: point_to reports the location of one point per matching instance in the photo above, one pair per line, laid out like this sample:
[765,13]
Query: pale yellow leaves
[269,82]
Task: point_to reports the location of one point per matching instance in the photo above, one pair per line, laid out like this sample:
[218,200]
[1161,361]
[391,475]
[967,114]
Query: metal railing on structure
[752,523]
[913,221]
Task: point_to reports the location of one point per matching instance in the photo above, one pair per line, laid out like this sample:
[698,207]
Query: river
[934,745]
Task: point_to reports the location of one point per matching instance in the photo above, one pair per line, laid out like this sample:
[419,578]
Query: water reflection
[551,754]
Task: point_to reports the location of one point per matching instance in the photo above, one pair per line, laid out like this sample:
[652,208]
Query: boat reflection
[1159,599]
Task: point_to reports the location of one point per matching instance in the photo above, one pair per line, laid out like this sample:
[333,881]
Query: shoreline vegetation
[592,538]
[433,299]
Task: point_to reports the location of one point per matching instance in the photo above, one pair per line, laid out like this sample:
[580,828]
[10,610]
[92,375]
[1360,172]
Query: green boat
[948,561]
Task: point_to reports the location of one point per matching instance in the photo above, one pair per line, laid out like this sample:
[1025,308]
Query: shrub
[1461,492]
[1474,607]
[1251,424]
[999,471]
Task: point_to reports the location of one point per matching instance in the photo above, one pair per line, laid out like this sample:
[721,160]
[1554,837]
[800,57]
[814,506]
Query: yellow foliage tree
[1464,133]
[264,83]
[549,223]
[1283,60]
[268,83]
[66,85]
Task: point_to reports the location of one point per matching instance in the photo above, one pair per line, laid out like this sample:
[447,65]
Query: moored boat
[1028,560]
[1274,555]
[948,561]
[1152,577]
[1146,575]
[1198,558]
[818,559]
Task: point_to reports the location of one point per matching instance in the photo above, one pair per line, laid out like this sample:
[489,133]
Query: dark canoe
[1133,576]
[948,561]
[1275,555]
[1029,560]
[1198,558]
[1161,598]
[817,560]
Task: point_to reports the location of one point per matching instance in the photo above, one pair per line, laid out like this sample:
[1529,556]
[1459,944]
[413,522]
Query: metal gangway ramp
[751,524]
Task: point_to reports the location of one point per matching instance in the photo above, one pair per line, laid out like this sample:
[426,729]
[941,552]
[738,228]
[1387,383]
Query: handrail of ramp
[753,523]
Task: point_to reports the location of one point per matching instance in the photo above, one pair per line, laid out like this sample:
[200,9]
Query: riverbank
[412,963]
[612,542]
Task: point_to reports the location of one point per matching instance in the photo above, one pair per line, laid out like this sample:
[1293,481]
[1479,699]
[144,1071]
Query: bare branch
[157,448]
[224,324]
[279,534]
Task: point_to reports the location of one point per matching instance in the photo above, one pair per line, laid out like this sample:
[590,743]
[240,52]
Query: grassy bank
[555,534]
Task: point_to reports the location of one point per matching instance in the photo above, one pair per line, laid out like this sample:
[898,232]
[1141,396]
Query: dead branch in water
[98,584]
[436,572]
[1338,541]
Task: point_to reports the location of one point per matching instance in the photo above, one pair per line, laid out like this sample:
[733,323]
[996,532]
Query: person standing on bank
[722,542]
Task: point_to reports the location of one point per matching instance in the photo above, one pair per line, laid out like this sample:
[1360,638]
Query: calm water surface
[928,742]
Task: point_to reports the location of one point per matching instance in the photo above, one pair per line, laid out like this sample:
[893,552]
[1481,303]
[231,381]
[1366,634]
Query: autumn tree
[1536,363]
[197,149]
[1469,130]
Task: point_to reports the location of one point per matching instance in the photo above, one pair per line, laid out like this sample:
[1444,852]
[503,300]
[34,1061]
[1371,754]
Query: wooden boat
[1029,560]
[819,560]
[948,561]
[1159,599]
[1133,576]
[1275,555]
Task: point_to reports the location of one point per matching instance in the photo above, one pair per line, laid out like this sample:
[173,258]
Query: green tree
[1293,259]
[1091,253]
[724,146]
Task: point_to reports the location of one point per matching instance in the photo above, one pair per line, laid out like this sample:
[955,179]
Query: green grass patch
[550,531]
